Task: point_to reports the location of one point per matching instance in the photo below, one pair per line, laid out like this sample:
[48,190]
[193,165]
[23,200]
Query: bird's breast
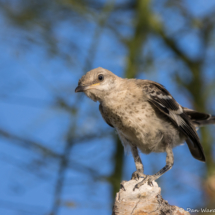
[139,124]
[132,118]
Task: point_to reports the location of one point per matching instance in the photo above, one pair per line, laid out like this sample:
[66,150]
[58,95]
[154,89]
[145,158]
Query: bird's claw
[136,175]
[122,185]
[148,179]
[136,187]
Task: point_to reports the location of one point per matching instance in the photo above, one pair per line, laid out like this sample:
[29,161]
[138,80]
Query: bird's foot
[122,185]
[136,175]
[148,179]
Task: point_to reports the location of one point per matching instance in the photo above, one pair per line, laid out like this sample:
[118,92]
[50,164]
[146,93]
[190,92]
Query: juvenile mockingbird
[145,116]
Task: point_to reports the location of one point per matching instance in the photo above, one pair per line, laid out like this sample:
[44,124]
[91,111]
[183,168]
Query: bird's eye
[100,77]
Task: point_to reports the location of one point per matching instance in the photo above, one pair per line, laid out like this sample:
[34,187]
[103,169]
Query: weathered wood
[143,201]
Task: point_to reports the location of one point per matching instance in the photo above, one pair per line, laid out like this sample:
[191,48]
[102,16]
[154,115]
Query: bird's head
[97,83]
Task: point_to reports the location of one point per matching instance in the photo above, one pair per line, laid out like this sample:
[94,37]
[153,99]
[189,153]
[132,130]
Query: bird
[146,117]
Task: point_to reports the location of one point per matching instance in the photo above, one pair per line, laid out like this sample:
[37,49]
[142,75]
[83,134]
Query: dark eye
[100,77]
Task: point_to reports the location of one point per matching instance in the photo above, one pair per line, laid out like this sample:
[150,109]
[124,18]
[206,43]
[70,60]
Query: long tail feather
[200,119]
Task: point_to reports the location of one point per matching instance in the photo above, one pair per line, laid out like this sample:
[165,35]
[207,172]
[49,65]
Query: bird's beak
[79,89]
[83,88]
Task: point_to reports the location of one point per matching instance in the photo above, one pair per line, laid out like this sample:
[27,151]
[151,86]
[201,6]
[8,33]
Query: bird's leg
[169,164]
[138,163]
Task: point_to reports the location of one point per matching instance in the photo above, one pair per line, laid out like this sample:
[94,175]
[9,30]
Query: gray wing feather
[163,101]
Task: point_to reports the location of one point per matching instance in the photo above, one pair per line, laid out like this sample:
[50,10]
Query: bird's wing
[104,116]
[160,97]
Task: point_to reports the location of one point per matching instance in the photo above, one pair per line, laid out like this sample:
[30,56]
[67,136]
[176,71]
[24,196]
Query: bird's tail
[200,119]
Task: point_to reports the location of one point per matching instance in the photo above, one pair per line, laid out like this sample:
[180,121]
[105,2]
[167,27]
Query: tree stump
[145,200]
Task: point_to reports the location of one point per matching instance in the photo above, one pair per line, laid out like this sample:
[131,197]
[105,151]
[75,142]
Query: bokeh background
[57,155]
